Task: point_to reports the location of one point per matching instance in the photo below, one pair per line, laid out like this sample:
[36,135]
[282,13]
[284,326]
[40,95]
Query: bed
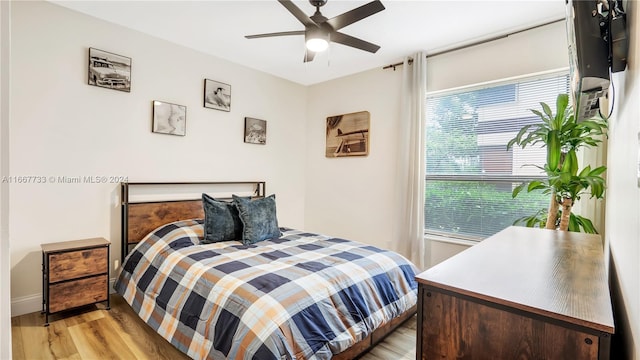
[298,295]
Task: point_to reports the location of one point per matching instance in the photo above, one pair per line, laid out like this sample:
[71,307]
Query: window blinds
[469,172]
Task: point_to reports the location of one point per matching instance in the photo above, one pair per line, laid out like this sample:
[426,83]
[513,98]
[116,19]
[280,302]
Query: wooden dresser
[521,294]
[74,273]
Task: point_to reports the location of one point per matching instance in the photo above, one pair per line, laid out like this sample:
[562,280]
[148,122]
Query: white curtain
[411,161]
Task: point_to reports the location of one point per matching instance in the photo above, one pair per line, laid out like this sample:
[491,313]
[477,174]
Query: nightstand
[74,273]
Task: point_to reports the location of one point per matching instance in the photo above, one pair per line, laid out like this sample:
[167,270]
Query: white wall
[353,197]
[60,126]
[623,196]
[529,52]
[442,250]
[5,259]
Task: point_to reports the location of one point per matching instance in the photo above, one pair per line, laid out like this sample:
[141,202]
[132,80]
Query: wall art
[348,135]
[217,95]
[109,70]
[169,118]
[255,131]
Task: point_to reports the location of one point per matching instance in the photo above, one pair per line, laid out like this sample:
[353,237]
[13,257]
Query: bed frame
[141,217]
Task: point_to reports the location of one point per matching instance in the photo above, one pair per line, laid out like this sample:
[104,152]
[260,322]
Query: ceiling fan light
[317,44]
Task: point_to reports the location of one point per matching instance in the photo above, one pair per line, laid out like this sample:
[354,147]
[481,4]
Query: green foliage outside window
[475,209]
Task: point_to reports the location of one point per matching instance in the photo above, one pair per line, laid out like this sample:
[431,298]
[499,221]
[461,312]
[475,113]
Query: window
[469,172]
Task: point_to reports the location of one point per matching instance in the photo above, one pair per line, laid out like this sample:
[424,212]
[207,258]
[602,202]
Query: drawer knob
[588,341]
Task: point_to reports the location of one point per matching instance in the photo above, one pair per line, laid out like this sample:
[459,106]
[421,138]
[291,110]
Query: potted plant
[565,183]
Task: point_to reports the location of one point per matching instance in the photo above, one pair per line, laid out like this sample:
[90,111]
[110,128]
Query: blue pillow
[258,217]
[221,221]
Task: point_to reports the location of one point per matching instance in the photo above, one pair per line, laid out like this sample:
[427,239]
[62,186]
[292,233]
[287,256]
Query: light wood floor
[94,333]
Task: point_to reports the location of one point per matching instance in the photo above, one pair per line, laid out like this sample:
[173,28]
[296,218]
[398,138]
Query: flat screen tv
[596,34]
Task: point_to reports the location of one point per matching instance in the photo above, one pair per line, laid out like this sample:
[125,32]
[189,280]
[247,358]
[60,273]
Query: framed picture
[169,118]
[109,70]
[217,95]
[348,135]
[255,131]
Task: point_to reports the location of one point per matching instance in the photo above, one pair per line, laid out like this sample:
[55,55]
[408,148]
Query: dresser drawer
[75,293]
[75,264]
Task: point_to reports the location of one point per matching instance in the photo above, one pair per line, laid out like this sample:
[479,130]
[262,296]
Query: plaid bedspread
[301,296]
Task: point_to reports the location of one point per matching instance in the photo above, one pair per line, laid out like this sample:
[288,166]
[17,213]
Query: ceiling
[403,28]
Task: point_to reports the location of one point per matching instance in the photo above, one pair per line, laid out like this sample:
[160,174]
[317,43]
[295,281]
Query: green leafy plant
[565,183]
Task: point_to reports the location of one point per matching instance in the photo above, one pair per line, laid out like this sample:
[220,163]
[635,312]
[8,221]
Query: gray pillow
[221,221]
[258,217]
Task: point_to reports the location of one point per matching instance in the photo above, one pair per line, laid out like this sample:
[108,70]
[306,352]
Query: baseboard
[33,303]
[26,304]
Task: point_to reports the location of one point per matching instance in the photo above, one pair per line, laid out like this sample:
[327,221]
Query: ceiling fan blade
[349,40]
[283,33]
[295,11]
[309,55]
[356,14]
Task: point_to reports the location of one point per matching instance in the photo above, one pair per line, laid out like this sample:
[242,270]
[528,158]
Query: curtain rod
[393,66]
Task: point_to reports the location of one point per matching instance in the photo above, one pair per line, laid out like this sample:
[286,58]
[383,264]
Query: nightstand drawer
[75,264]
[74,273]
[70,294]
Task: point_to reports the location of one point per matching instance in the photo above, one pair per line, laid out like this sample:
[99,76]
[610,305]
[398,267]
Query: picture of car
[109,70]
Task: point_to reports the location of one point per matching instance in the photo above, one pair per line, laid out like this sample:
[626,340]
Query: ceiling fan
[318,30]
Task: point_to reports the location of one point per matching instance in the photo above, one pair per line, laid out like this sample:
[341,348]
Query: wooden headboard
[140,217]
